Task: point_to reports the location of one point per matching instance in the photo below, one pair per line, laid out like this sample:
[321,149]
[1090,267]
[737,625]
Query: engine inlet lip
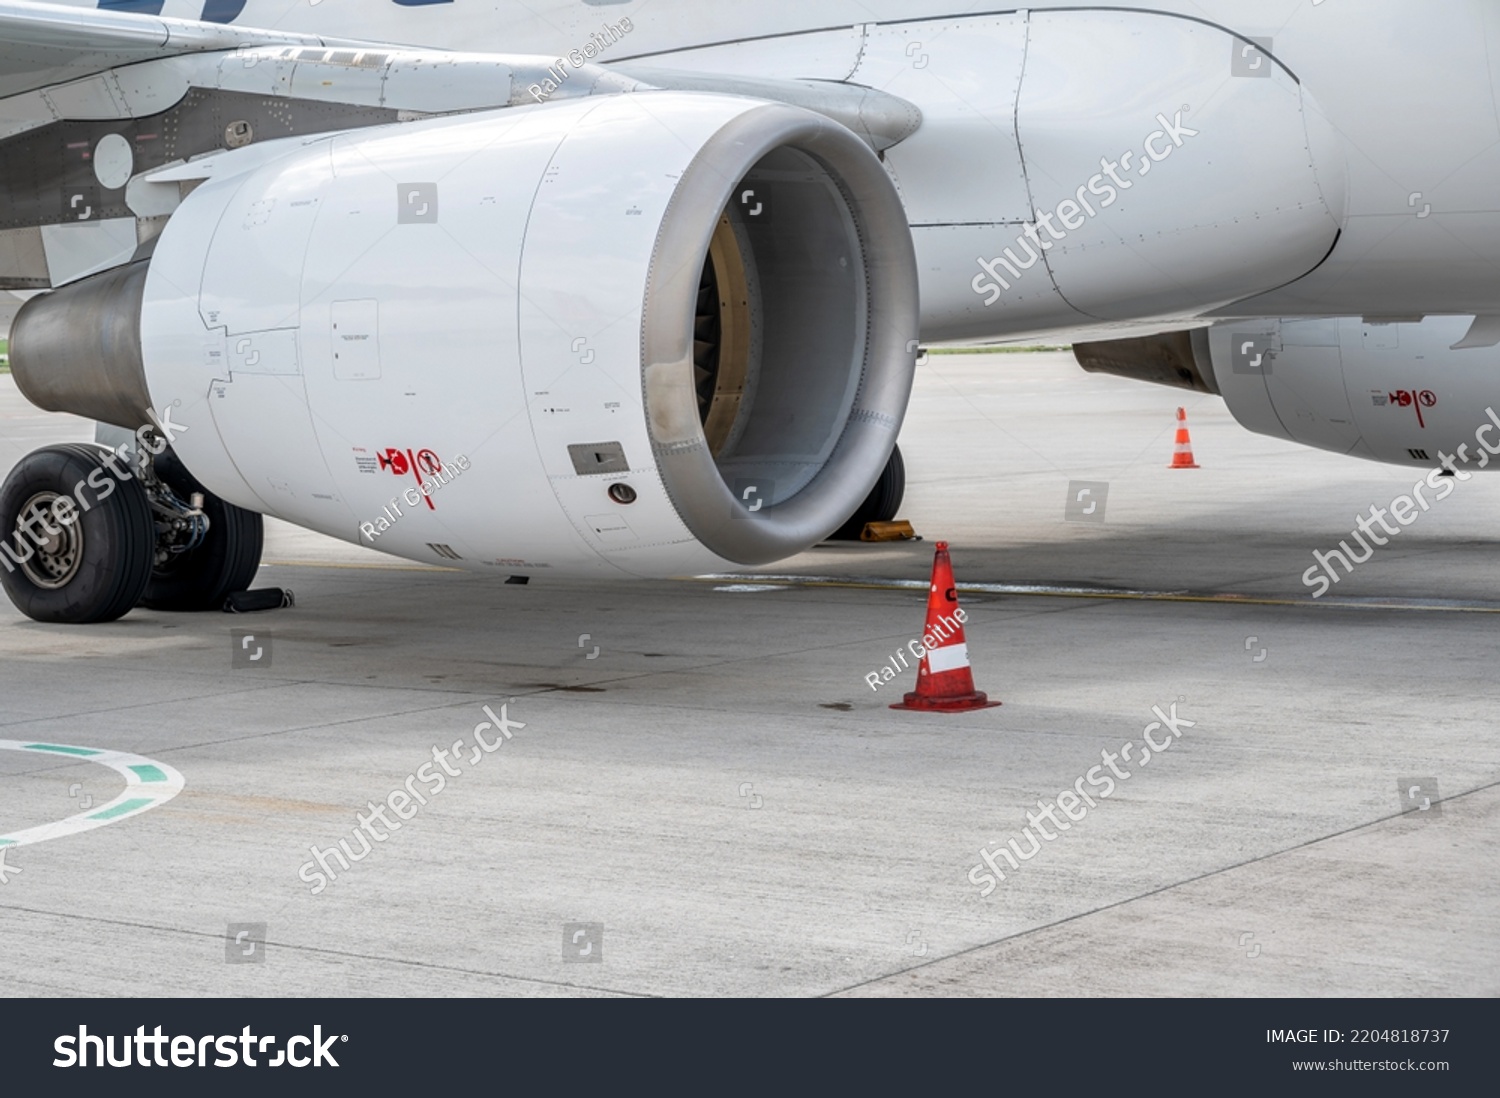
[692,480]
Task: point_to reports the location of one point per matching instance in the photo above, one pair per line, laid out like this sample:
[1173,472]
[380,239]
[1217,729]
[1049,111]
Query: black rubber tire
[227,560]
[119,538]
[883,502]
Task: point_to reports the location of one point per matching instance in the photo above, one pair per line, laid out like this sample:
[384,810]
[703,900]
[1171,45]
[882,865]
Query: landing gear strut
[197,568]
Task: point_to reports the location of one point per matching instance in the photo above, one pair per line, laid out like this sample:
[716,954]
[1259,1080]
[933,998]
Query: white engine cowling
[654,333]
[1396,393]
[1400,392]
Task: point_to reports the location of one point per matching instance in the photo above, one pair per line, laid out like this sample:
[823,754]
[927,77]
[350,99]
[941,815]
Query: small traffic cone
[945,684]
[1182,451]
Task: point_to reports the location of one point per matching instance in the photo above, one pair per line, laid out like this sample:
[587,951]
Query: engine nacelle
[654,332]
[1399,393]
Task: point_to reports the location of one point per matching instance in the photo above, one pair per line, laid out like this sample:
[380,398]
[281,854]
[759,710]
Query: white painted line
[148,784]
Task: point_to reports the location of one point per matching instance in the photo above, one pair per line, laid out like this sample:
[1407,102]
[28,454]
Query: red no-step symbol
[422,464]
[1411,398]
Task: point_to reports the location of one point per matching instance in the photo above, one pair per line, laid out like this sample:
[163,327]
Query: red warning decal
[1413,398]
[421,464]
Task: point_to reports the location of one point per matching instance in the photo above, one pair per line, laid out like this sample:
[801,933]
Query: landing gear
[197,570]
[881,504]
[60,562]
[86,535]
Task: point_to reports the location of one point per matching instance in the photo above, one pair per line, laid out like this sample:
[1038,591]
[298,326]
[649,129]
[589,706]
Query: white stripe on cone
[948,658]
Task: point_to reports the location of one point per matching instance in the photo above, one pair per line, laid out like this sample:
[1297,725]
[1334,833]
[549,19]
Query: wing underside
[42,45]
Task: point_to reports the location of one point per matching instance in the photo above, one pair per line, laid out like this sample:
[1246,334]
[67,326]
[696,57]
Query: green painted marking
[61,750]
[149,773]
[7,842]
[122,809]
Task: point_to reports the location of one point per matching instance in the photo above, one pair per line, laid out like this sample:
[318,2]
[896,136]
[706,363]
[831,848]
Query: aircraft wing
[168,91]
[43,46]
[46,44]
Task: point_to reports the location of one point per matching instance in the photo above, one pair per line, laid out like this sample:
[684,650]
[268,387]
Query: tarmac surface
[718,803]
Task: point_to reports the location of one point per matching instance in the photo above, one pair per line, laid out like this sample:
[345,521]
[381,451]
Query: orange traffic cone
[1182,451]
[945,684]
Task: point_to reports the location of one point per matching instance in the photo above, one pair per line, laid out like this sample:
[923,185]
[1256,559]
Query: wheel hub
[57,556]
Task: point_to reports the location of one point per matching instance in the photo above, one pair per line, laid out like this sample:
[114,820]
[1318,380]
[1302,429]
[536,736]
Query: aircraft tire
[97,565]
[882,503]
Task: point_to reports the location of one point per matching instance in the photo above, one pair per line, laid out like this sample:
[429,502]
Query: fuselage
[1400,103]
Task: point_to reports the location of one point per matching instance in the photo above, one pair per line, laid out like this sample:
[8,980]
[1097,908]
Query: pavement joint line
[139,705]
[468,697]
[328,724]
[1223,598]
[1152,892]
[310,727]
[281,684]
[524,692]
[178,931]
[1391,554]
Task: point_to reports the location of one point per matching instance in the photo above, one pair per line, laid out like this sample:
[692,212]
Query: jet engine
[651,333]
[1402,393]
